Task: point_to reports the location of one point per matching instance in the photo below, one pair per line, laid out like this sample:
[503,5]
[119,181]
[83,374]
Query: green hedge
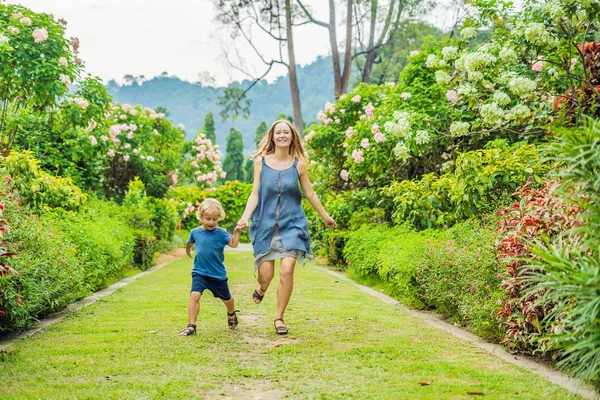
[454,271]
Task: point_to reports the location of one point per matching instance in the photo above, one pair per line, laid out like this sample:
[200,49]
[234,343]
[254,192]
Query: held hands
[329,222]
[242,224]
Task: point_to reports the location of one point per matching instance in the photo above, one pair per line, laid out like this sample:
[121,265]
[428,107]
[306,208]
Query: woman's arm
[311,196]
[253,198]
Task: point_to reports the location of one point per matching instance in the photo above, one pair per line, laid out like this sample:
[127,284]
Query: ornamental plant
[37,66]
[537,214]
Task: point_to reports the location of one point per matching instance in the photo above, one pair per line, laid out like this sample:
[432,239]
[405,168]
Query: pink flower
[379,137]
[25,21]
[452,96]
[365,143]
[321,116]
[223,175]
[126,157]
[356,99]
[110,153]
[74,44]
[358,156]
[310,135]
[349,132]
[538,65]
[64,261]
[369,110]
[181,126]
[423,286]
[65,79]
[92,125]
[63,62]
[344,175]
[342,111]
[375,129]
[406,95]
[14,30]
[40,35]
[472,290]
[93,140]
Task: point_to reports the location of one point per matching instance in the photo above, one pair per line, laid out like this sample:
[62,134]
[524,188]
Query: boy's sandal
[256,296]
[190,330]
[281,330]
[232,322]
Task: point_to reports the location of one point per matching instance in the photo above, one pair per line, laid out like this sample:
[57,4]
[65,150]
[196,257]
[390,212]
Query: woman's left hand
[329,222]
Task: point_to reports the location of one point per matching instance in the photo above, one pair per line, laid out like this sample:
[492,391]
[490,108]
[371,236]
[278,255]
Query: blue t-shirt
[209,251]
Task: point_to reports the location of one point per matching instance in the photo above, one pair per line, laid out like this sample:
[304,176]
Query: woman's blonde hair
[267,146]
[209,205]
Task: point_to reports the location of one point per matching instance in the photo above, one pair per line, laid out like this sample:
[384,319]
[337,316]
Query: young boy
[209,271]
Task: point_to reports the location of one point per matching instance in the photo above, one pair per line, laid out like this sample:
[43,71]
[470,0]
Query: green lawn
[342,344]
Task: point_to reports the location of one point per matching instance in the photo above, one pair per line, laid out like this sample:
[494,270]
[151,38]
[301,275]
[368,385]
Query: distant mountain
[188,103]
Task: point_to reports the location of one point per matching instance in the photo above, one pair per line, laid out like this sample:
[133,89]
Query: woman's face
[282,135]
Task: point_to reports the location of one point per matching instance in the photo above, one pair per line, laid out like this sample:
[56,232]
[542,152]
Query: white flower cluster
[422,137]
[459,128]
[555,10]
[3,39]
[491,114]
[475,61]
[468,32]
[537,34]
[401,151]
[442,77]
[466,90]
[508,55]
[501,98]
[521,86]
[434,62]
[518,113]
[450,53]
[401,126]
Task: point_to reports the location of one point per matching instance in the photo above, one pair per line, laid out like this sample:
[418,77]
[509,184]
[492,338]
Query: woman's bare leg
[286,285]
[266,271]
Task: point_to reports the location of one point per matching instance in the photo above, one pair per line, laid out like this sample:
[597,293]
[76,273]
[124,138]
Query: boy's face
[210,219]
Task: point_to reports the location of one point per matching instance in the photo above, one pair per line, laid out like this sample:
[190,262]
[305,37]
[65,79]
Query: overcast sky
[148,37]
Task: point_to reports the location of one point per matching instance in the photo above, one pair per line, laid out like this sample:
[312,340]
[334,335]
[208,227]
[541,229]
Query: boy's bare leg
[286,285]
[193,308]
[230,304]
[266,271]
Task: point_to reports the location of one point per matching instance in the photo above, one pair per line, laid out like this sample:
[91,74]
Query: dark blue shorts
[218,287]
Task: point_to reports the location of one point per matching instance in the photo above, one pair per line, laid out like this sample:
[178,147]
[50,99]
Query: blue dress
[279,227]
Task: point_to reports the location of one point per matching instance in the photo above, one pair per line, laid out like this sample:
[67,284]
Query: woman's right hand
[242,224]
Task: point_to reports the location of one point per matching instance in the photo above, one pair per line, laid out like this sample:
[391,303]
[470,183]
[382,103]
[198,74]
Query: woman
[279,229]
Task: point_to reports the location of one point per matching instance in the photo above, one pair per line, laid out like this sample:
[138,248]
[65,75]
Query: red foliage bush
[538,213]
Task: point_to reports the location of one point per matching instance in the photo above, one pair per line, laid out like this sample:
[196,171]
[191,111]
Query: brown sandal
[189,330]
[281,330]
[232,319]
[256,296]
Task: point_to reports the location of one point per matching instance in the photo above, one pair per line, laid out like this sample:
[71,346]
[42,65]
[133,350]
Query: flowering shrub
[38,65]
[478,184]
[37,189]
[204,167]
[538,213]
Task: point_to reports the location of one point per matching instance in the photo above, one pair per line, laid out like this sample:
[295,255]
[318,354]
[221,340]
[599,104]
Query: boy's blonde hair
[209,205]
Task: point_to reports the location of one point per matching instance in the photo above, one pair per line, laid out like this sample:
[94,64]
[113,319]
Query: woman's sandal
[281,330]
[190,330]
[232,322]
[256,296]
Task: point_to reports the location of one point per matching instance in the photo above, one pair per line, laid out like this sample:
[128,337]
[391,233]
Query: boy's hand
[242,224]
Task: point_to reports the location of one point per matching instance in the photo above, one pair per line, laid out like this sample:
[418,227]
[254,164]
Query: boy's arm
[188,248]
[235,238]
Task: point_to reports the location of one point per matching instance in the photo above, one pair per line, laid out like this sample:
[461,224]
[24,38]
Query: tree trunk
[370,58]
[335,54]
[348,55]
[295,90]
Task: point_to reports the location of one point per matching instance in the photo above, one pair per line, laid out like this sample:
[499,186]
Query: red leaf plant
[538,213]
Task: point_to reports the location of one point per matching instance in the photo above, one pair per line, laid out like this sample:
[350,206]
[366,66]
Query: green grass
[343,344]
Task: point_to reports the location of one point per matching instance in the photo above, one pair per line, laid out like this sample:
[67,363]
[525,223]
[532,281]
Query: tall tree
[369,19]
[275,19]
[209,127]
[341,76]
[234,159]
[260,133]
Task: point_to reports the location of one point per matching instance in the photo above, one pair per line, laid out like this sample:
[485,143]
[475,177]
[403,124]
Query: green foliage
[37,189]
[480,183]
[209,127]
[570,282]
[233,164]
[453,271]
[143,250]
[261,131]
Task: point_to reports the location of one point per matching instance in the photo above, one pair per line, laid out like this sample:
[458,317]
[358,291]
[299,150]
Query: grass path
[343,344]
